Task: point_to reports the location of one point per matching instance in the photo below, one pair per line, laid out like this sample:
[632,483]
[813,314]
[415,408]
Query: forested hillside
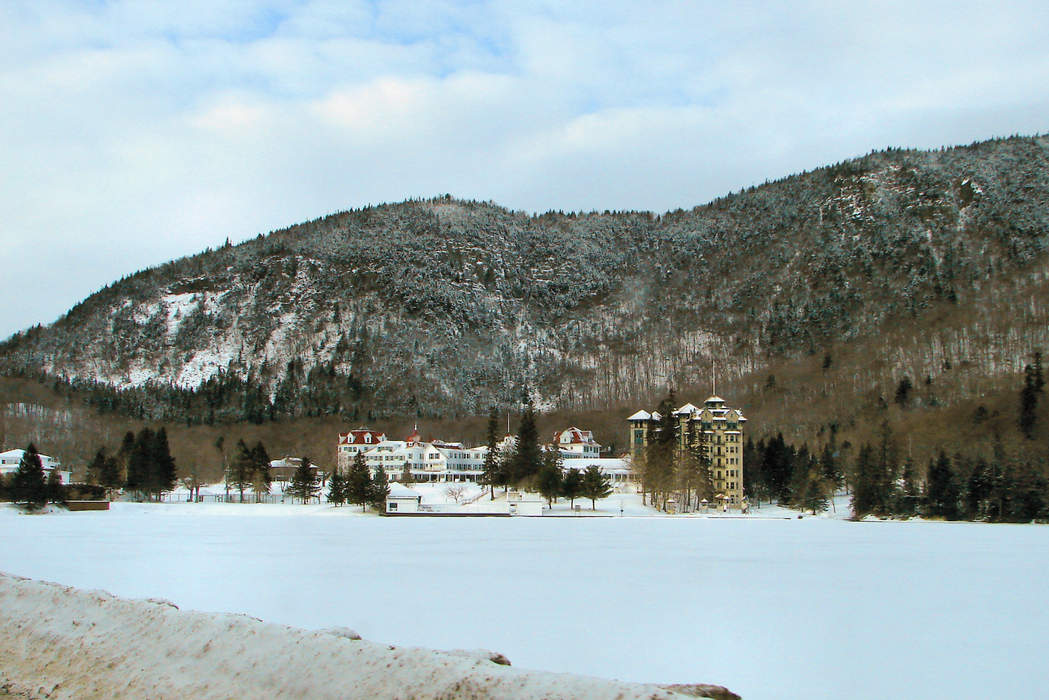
[824,289]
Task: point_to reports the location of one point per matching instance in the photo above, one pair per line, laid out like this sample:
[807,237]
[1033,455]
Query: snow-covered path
[769,608]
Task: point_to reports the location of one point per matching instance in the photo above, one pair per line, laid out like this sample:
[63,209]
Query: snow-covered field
[771,608]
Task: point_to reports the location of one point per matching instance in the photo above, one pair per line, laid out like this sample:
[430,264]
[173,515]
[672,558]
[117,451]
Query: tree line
[358,486]
[142,465]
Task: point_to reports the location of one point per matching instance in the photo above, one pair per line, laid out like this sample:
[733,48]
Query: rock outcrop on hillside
[444,307]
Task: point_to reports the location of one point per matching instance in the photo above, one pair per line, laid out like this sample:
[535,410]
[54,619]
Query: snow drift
[61,642]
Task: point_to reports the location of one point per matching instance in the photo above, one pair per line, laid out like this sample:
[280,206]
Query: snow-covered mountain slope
[443,307]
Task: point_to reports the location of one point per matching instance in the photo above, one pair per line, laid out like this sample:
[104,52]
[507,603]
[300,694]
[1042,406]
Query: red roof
[576,436]
[357,437]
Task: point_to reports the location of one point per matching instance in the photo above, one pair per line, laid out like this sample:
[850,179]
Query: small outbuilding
[402,499]
[524,504]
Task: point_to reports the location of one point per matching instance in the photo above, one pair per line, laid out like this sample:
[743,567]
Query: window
[391,506]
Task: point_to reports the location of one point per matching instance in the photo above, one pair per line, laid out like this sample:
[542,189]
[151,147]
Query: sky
[132,133]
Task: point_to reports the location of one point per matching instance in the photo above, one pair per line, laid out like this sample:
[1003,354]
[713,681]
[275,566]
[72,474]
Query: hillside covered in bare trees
[825,289]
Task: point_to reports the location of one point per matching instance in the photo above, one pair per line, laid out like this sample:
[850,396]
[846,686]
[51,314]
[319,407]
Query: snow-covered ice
[771,608]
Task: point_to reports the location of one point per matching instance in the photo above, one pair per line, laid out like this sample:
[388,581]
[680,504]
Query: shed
[402,499]
[524,504]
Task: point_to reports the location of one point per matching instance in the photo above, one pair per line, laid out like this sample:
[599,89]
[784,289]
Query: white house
[10,460]
[402,499]
[359,440]
[574,442]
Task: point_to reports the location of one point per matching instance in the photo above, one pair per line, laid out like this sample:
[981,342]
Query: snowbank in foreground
[61,642]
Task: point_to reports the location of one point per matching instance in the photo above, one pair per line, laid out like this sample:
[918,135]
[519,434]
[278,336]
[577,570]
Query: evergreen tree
[127,446]
[864,498]
[661,455]
[978,489]
[28,485]
[693,469]
[490,475]
[358,482]
[777,467]
[140,463]
[53,487]
[906,503]
[941,496]
[261,479]
[95,468]
[242,468]
[753,478]
[595,485]
[337,489]
[164,474]
[809,489]
[885,471]
[380,489]
[548,481]
[406,474]
[527,458]
[903,391]
[830,466]
[1029,401]
[305,484]
[572,485]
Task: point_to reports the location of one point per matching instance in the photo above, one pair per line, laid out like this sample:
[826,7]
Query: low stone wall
[61,642]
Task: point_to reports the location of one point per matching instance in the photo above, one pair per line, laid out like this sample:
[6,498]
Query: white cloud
[137,132]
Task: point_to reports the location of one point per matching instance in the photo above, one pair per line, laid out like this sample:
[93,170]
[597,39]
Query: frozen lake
[769,608]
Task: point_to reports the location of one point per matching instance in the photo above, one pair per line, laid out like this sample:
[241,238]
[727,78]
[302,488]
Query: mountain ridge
[442,307]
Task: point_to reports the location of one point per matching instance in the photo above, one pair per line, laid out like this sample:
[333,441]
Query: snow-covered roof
[714,399]
[607,465]
[15,456]
[641,415]
[686,409]
[398,490]
[574,436]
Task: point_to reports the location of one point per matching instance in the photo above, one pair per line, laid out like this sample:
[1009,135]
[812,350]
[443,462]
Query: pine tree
[358,482]
[28,485]
[127,446]
[490,475]
[53,487]
[337,489]
[140,463]
[104,471]
[305,484]
[527,458]
[903,391]
[572,485]
[164,474]
[548,481]
[242,468]
[1029,401]
[261,479]
[595,485]
[97,465]
[941,497]
[864,499]
[694,469]
[829,464]
[406,474]
[978,489]
[661,454]
[380,489]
